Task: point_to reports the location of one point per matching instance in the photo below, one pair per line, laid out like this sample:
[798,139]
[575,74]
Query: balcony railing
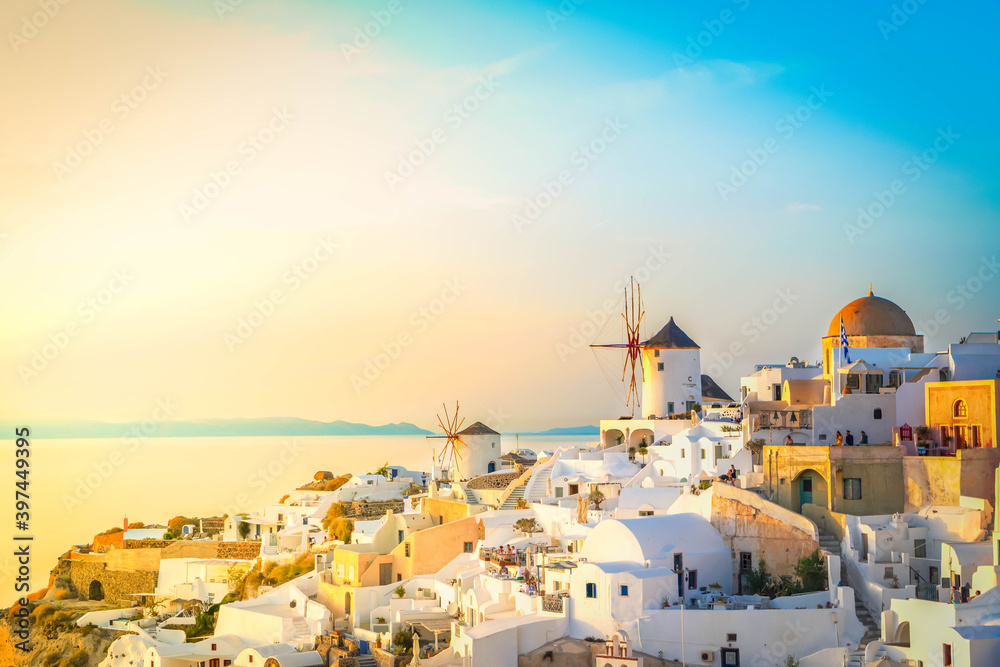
[553,603]
[786,419]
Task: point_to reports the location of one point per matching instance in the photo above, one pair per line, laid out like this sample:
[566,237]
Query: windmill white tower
[671,372]
[467,453]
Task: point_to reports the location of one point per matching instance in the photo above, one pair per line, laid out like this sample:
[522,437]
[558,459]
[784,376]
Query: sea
[81,487]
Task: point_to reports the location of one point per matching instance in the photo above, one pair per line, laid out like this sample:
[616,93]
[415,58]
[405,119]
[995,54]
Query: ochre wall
[980,397]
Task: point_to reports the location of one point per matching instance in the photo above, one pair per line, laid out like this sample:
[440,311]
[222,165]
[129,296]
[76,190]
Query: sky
[361,210]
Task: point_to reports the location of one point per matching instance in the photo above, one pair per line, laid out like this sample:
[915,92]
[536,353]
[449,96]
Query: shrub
[403,641]
[400,591]
[78,659]
[64,594]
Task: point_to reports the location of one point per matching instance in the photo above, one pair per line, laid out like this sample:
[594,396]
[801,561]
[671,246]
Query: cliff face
[82,647]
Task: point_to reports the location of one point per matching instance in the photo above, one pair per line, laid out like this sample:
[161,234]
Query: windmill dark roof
[712,391]
[479,428]
[671,336]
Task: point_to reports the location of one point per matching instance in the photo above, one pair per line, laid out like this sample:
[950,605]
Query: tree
[381,470]
[811,571]
[596,498]
[243,528]
[631,453]
[237,576]
[756,447]
[403,641]
[643,450]
[527,525]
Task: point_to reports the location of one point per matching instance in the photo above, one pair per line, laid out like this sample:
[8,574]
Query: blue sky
[672,126]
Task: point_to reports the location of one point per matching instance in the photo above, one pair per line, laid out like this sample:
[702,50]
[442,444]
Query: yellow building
[962,414]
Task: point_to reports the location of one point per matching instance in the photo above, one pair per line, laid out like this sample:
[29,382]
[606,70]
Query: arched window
[961,409]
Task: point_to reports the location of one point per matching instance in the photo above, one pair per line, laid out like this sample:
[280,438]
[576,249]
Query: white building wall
[678,382]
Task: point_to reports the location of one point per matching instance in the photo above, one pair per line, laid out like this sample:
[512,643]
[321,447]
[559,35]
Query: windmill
[450,425]
[632,317]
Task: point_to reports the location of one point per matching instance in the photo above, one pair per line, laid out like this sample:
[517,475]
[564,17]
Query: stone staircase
[829,543]
[366,660]
[535,489]
[516,494]
[301,629]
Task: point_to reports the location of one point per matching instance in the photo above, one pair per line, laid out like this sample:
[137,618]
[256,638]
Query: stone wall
[498,481]
[103,543]
[369,511]
[117,586]
[239,550]
[199,549]
[765,530]
[386,659]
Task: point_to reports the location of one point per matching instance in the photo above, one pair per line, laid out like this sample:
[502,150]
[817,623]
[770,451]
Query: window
[693,580]
[559,492]
[746,564]
[853,380]
[678,562]
[645,512]
[624,591]
[878,413]
[656,353]
[977,436]
[852,488]
[399,536]
[213,647]
[467,547]
[961,409]
[730,636]
[591,590]
[406,550]
[703,455]
[730,657]
[350,573]
[888,573]
[893,378]
[920,548]
[683,453]
[670,408]
[659,366]
[777,392]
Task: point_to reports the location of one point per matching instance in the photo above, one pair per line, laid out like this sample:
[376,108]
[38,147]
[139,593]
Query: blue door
[806,490]
[363,646]
[492,467]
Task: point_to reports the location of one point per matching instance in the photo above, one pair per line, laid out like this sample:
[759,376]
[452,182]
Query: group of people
[848,440]
[729,477]
[963,594]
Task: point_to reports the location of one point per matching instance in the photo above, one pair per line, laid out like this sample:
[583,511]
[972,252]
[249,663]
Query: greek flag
[843,342]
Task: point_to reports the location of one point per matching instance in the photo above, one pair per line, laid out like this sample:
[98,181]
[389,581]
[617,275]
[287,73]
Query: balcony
[784,420]
[553,603]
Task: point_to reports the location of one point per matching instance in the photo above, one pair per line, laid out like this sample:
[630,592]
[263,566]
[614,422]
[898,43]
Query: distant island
[267,426]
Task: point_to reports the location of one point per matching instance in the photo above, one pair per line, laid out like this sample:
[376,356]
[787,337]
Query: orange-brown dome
[872,316]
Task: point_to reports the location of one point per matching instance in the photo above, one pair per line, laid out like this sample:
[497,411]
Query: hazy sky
[462,187]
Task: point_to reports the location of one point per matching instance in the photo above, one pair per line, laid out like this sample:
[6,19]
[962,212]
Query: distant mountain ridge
[568,430]
[264,426]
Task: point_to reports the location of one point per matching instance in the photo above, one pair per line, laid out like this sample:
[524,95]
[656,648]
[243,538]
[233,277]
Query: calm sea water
[82,487]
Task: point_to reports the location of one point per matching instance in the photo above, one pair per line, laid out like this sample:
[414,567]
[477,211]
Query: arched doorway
[492,467]
[903,634]
[347,603]
[96,591]
[809,487]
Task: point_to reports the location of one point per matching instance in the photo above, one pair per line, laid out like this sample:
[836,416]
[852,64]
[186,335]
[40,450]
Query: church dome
[872,316]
